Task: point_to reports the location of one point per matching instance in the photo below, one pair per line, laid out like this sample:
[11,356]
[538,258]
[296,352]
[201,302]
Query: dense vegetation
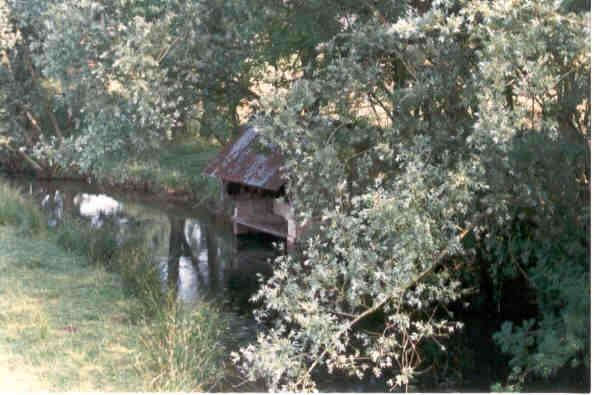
[436,150]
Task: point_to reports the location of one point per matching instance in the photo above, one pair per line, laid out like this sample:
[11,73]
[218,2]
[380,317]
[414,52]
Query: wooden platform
[271,224]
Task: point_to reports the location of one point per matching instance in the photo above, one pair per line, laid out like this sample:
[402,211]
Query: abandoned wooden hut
[254,182]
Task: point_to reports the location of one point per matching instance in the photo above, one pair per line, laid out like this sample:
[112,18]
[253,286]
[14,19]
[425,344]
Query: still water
[195,250]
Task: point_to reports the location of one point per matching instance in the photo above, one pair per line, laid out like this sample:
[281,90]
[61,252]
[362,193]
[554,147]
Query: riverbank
[77,315]
[173,173]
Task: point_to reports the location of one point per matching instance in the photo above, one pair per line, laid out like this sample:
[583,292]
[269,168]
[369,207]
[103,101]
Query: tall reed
[183,350]
[100,245]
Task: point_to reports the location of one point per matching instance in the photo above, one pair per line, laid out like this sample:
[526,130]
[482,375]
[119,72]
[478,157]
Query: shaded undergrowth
[18,211]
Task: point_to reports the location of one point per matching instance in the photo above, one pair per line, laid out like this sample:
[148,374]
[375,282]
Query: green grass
[63,322]
[184,350]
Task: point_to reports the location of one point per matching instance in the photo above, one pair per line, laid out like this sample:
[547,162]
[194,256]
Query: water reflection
[53,205]
[196,253]
[187,284]
[95,207]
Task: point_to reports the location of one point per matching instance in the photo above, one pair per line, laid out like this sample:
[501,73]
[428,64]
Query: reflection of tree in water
[53,201]
[249,262]
[202,260]
[177,248]
[187,263]
[213,261]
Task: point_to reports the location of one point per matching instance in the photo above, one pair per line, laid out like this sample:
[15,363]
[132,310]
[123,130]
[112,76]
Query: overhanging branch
[386,300]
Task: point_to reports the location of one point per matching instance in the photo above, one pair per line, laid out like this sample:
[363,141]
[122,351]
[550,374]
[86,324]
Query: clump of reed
[182,349]
[100,245]
[18,211]
[140,278]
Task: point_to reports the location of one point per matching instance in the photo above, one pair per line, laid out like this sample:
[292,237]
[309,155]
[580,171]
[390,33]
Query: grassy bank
[64,324]
[176,169]
[173,172]
[79,314]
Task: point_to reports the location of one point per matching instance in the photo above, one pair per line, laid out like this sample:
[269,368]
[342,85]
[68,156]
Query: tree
[536,63]
[62,84]
[412,166]
[27,111]
[121,78]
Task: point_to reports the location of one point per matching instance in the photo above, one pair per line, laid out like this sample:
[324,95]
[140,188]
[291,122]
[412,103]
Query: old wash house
[253,181]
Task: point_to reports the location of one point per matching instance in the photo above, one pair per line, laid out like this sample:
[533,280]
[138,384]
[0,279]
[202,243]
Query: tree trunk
[213,263]
[45,100]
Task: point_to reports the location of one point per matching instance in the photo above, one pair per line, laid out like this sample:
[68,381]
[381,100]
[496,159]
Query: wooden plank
[272,225]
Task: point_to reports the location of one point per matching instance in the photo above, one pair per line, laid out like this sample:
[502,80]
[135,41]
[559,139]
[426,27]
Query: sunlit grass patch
[57,320]
[16,375]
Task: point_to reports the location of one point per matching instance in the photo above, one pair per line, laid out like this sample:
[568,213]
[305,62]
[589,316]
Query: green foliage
[422,128]
[384,195]
[141,74]
[541,98]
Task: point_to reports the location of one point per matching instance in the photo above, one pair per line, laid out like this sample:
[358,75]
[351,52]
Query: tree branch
[46,101]
[373,98]
[33,122]
[28,159]
[166,51]
[382,303]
